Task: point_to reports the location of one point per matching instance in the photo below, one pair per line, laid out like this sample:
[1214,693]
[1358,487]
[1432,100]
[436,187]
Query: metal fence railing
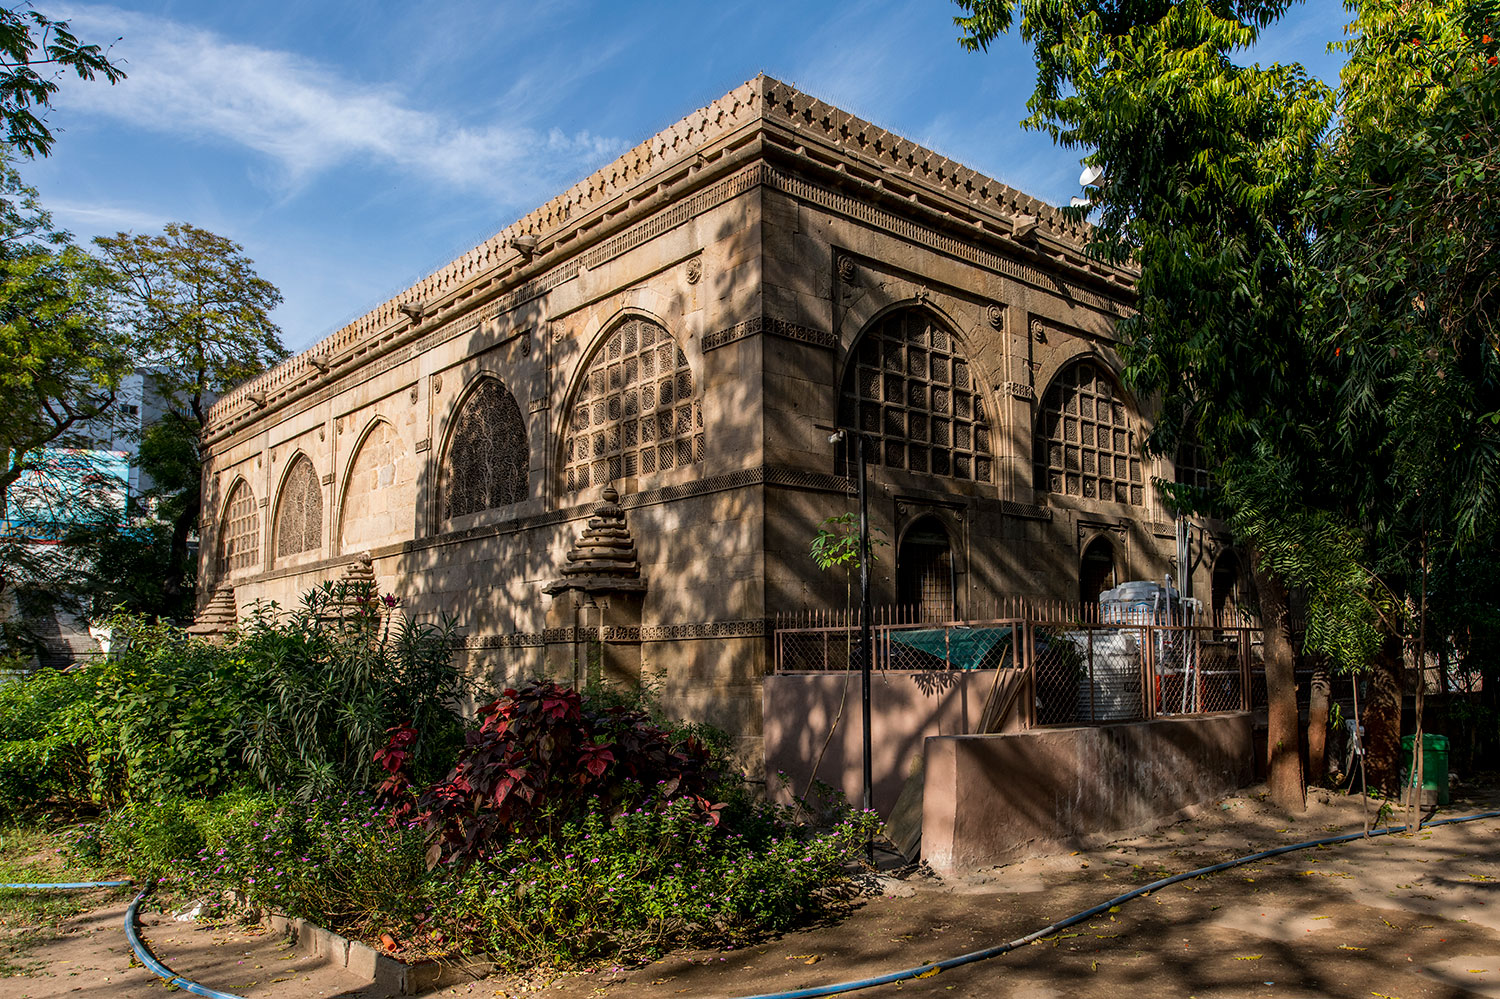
[1078,669]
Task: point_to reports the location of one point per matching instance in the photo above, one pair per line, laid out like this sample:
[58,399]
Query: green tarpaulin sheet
[963,648]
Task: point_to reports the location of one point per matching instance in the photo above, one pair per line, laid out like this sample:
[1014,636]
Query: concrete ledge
[989,799]
[380,970]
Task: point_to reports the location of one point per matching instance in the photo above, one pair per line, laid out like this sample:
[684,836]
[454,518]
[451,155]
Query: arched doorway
[924,571]
[1224,587]
[1096,572]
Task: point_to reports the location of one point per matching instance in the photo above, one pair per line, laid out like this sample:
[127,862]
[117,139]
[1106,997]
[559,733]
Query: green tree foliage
[35,51]
[1317,296]
[61,357]
[1207,163]
[200,319]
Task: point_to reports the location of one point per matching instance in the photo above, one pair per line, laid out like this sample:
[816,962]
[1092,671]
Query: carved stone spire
[603,559]
[218,616]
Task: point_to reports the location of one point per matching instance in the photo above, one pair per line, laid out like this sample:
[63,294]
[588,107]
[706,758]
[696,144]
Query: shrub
[166,704]
[541,755]
[648,880]
[45,731]
[332,681]
[338,862]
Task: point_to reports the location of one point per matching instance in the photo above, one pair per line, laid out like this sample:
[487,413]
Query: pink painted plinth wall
[989,799]
[905,708]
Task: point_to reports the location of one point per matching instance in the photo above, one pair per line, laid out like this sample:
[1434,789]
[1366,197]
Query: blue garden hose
[921,971]
[933,968]
[156,967]
[142,952]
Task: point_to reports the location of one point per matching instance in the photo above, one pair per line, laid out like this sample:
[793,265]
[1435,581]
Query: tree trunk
[1317,724]
[1383,717]
[176,587]
[1283,756]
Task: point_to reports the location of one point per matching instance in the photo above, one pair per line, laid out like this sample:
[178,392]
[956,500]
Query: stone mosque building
[602,437]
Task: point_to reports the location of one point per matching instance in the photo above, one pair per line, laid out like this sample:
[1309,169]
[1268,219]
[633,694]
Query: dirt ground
[1395,917]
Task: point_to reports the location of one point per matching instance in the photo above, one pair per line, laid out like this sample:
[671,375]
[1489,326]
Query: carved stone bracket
[1020,390]
[423,444]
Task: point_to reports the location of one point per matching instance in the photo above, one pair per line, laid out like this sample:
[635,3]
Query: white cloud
[307,119]
[102,218]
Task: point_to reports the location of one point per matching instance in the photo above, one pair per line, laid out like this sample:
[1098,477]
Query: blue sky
[354,146]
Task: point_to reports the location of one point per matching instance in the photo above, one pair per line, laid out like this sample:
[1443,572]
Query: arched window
[1085,441]
[910,392]
[924,571]
[299,512]
[488,463]
[239,535]
[635,412]
[1096,571]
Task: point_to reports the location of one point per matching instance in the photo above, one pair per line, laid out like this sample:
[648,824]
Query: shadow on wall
[991,799]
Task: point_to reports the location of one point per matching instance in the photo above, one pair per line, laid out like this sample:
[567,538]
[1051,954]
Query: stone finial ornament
[603,559]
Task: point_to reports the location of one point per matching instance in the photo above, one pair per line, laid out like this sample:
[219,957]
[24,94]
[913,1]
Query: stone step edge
[365,962]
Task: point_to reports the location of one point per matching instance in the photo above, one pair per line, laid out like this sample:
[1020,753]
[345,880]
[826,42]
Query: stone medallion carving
[437,384]
[694,270]
[846,268]
[995,313]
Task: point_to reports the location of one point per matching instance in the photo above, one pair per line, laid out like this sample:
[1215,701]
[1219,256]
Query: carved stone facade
[683,328]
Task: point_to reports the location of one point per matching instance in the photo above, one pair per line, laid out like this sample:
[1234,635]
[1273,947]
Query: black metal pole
[865,643]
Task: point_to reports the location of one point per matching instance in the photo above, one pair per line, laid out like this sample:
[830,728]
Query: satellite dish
[1091,176]
[1078,202]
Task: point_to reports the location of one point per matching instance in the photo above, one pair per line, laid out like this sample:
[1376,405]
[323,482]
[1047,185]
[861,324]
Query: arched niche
[380,494]
[1096,570]
[239,531]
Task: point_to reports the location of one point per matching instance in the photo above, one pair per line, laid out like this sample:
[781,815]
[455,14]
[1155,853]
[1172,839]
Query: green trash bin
[1434,767]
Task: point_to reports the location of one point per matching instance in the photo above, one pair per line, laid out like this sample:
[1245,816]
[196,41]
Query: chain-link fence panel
[806,650]
[1087,675]
[1194,670]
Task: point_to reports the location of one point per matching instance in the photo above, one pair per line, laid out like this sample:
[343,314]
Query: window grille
[488,464]
[635,413]
[1192,464]
[913,397]
[239,545]
[1085,442]
[299,513]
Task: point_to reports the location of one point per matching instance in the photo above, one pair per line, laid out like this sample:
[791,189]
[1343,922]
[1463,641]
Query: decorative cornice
[650,171]
[774,327]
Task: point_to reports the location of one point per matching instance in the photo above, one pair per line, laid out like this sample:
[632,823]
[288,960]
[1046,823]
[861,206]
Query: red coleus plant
[542,755]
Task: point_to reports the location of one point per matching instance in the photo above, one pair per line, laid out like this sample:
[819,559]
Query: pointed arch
[908,387]
[1097,569]
[239,530]
[379,495]
[487,459]
[635,410]
[1085,441]
[299,510]
[924,570]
